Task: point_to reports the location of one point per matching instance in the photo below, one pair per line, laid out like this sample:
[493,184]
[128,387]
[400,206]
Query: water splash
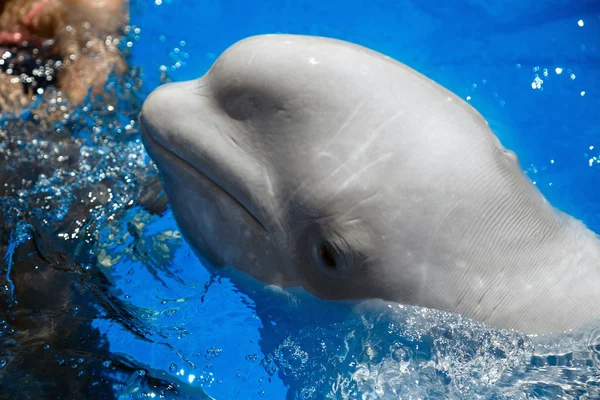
[64,180]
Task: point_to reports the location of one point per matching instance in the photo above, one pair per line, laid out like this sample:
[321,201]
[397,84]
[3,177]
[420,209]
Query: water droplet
[252,357]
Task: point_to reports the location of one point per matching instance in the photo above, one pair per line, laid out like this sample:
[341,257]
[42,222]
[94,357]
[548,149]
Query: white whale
[307,161]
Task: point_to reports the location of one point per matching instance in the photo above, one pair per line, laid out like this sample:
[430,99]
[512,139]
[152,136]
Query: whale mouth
[152,145]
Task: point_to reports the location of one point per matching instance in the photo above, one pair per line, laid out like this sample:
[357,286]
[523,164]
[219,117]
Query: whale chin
[156,150]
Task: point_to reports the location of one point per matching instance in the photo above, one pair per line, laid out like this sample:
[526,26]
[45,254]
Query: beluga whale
[317,163]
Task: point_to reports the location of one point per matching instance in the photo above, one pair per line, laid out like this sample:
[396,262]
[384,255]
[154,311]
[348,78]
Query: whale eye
[326,256]
[331,258]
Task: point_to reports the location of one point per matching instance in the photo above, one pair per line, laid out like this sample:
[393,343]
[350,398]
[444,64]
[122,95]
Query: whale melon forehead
[332,79]
[338,112]
[288,67]
[281,49]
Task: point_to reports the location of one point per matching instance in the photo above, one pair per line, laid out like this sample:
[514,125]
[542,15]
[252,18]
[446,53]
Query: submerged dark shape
[62,182]
[48,348]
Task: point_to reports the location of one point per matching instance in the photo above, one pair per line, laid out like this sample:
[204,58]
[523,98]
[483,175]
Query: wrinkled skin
[313,162]
[75,31]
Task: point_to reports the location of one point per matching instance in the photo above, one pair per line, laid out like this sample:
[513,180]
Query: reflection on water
[101,298]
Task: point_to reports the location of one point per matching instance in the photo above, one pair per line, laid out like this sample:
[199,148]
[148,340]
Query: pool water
[102,298]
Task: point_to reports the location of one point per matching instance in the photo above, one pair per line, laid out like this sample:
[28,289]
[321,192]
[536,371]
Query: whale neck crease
[549,266]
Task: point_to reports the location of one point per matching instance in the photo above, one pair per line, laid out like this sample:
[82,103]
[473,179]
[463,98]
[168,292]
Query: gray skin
[313,162]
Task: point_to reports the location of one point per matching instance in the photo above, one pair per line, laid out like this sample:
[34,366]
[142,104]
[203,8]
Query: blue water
[136,303]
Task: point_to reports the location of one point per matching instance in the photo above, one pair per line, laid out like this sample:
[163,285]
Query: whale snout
[176,118]
[181,124]
[159,114]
